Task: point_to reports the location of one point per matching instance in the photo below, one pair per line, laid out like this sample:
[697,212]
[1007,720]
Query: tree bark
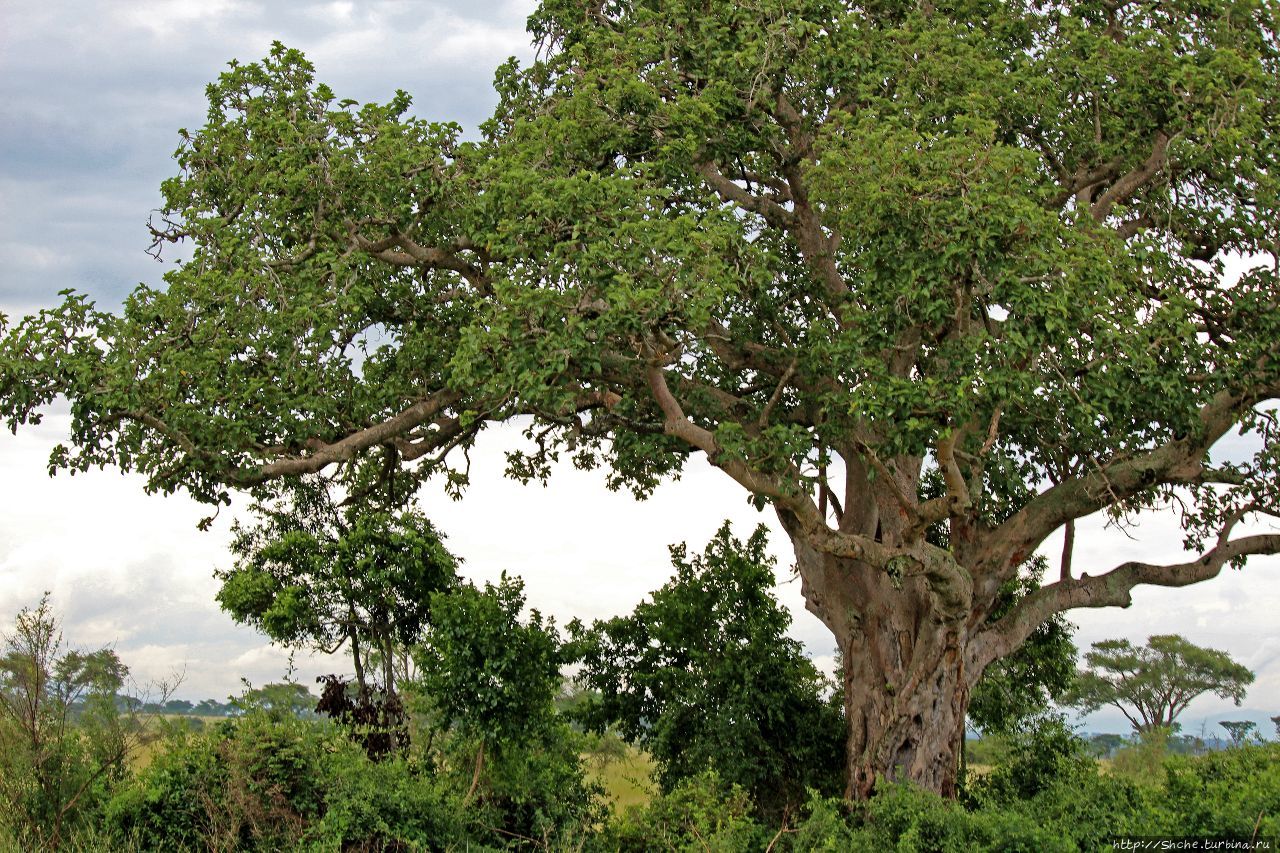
[906,690]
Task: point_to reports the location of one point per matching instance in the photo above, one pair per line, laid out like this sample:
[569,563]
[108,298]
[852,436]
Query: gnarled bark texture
[906,689]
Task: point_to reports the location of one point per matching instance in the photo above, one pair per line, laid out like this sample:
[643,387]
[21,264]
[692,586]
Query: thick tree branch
[1124,187]
[325,454]
[772,212]
[1113,589]
[1180,461]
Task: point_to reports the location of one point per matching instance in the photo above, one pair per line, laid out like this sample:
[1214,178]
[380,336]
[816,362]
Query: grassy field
[626,780]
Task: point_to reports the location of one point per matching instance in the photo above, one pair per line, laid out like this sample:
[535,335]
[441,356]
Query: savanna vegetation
[930,281]
[694,723]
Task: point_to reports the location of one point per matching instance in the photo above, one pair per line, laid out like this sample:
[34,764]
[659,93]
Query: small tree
[63,740]
[318,575]
[1239,730]
[704,676]
[490,676]
[1153,684]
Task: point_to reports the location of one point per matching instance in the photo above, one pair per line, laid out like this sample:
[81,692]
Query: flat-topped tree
[1153,684]
[892,268]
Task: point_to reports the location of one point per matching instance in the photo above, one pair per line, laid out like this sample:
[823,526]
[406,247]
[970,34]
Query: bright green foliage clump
[489,674]
[490,679]
[700,812]
[704,677]
[268,782]
[1225,793]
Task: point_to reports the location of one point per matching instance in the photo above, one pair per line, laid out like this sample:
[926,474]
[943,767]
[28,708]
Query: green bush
[252,783]
[389,805]
[273,783]
[1049,777]
[826,828]
[911,820]
[702,813]
[535,794]
[1235,792]
[1044,751]
[1142,762]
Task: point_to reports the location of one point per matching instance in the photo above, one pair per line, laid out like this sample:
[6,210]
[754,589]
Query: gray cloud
[92,95]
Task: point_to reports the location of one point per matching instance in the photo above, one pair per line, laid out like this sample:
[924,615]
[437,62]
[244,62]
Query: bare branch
[777,395]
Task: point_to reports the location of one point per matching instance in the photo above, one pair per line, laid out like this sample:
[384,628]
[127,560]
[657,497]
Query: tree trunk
[906,691]
[905,712]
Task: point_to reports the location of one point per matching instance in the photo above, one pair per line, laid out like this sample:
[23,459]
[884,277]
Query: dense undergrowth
[264,782]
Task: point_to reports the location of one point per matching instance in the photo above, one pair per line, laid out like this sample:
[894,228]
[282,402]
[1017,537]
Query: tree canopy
[842,250]
[1153,684]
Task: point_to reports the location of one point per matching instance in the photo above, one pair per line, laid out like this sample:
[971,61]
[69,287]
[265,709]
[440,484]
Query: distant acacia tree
[1239,730]
[1153,684]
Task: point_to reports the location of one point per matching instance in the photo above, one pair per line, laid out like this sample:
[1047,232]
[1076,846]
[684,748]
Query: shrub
[272,783]
[1235,792]
[249,783]
[63,741]
[702,813]
[534,792]
[1044,751]
[389,805]
[1048,777]
[908,819]
[1143,762]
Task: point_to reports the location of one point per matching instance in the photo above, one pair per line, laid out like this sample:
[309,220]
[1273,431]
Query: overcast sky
[91,97]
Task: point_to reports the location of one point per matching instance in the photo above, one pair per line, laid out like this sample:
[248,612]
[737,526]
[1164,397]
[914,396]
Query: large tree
[889,266]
